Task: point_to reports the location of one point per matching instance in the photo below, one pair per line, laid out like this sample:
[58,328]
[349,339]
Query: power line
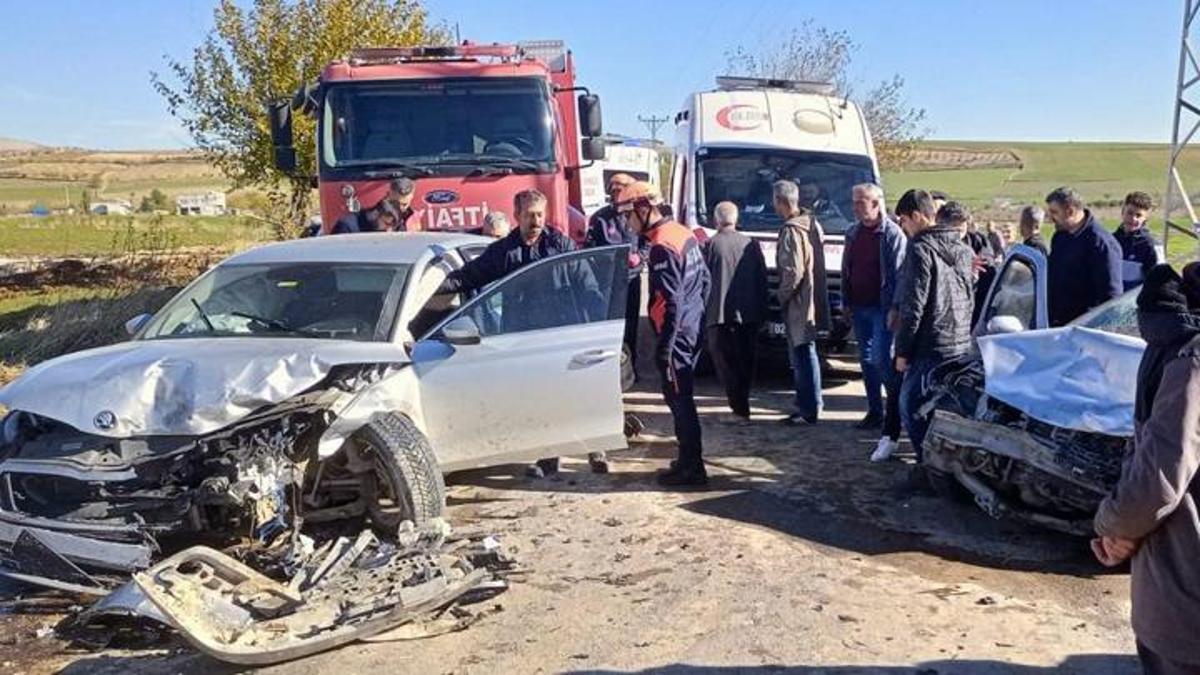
[653,124]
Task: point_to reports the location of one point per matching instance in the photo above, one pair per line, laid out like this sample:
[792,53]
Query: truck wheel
[403,481]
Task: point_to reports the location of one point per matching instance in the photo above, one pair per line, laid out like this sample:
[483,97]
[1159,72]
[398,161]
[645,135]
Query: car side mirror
[135,324]
[1004,324]
[279,114]
[462,331]
[593,149]
[590,122]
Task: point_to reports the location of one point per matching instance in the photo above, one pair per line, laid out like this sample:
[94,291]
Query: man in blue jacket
[871,261]
[1138,248]
[679,286]
[1085,260]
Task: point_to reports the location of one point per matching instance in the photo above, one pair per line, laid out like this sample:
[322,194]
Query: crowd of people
[913,283]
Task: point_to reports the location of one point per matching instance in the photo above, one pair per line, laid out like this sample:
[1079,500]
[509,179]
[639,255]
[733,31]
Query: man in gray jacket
[1153,514]
[737,305]
[803,297]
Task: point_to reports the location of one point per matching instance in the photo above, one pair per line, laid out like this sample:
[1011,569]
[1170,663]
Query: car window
[566,290]
[319,300]
[1115,316]
[1014,294]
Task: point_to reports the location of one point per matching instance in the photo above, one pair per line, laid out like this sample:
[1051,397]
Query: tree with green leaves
[263,53]
[818,54]
[155,201]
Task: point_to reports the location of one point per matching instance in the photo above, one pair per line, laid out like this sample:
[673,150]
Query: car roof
[375,247]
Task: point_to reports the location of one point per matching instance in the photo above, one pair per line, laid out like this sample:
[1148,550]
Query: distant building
[211,203]
[112,207]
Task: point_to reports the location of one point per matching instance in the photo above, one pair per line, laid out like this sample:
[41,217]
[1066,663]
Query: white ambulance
[733,143]
[626,156]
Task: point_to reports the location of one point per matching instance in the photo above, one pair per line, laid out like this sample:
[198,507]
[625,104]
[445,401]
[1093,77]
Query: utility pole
[1186,124]
[653,124]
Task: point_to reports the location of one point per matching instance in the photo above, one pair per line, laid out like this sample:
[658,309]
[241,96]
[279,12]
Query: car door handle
[592,356]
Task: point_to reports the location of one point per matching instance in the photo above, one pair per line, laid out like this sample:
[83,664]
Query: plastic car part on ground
[1074,378]
[348,590]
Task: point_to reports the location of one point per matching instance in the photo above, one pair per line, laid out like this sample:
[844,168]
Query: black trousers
[679,393]
[733,348]
[891,408]
[633,318]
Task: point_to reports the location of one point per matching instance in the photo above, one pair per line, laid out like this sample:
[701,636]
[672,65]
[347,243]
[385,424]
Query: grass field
[1103,172]
[114,235]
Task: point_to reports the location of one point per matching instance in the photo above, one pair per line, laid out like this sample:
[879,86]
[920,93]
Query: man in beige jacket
[803,298]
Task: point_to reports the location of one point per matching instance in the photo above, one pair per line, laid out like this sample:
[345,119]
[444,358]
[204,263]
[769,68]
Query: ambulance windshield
[445,126]
[745,177]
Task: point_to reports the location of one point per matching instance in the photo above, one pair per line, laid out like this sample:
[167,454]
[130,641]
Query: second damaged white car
[1035,424]
[299,385]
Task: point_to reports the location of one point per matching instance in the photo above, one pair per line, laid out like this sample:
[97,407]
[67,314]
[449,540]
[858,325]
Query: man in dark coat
[1085,260]
[737,306]
[1138,248]
[606,227]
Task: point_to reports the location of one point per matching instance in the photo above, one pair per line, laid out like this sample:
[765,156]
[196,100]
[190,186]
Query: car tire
[406,469]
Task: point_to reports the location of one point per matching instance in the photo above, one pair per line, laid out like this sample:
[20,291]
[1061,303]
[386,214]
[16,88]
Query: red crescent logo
[741,117]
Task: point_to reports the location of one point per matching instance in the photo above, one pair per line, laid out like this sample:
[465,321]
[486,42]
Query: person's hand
[901,364]
[893,320]
[978,265]
[1112,551]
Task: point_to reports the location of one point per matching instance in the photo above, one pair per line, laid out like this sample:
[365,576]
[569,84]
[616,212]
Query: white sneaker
[884,451]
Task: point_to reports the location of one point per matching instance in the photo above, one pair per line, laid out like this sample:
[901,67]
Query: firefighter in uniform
[679,284]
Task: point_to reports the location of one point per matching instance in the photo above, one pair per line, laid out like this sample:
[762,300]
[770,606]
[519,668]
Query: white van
[628,156]
[733,143]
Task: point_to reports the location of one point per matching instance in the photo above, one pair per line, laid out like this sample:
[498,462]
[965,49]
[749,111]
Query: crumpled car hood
[1072,377]
[186,387]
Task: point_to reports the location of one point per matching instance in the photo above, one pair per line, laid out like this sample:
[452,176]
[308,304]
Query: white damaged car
[300,384]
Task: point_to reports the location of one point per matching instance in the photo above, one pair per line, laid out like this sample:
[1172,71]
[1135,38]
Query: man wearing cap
[679,285]
[608,228]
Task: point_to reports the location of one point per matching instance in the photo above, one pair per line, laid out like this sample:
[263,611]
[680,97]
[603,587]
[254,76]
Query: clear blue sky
[77,70]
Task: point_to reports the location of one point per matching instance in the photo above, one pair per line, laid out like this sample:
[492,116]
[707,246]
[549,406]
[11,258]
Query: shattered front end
[1013,465]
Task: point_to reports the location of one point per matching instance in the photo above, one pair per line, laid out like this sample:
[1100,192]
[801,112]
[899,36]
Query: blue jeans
[806,375]
[874,354]
[912,397]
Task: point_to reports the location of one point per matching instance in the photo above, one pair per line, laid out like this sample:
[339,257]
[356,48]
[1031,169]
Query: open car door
[1017,299]
[530,367]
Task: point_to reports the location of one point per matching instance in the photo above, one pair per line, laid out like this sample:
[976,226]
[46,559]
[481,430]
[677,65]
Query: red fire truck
[471,124]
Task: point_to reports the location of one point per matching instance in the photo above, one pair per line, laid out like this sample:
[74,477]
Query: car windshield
[1115,316]
[745,177]
[438,125]
[336,301]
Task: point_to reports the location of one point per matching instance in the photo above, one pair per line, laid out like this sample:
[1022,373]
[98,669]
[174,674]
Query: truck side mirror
[593,149]
[590,123]
[279,115]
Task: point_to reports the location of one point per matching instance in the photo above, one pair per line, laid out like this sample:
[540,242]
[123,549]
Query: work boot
[598,462]
[884,451]
[542,468]
[871,421]
[679,476]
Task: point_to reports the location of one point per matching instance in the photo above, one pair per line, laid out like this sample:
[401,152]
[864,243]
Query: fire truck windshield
[445,126]
[745,177]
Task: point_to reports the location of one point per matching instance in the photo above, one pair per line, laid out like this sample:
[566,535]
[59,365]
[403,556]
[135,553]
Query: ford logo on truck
[441,197]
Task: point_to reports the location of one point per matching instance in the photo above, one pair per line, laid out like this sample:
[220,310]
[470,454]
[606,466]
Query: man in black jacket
[737,305]
[1138,252]
[606,227]
[936,299]
[1085,260]
[532,241]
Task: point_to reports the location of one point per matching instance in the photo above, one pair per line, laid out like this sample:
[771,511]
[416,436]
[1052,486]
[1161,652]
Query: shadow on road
[1082,664]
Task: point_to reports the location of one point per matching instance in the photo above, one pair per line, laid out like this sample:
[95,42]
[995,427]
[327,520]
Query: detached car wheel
[403,481]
